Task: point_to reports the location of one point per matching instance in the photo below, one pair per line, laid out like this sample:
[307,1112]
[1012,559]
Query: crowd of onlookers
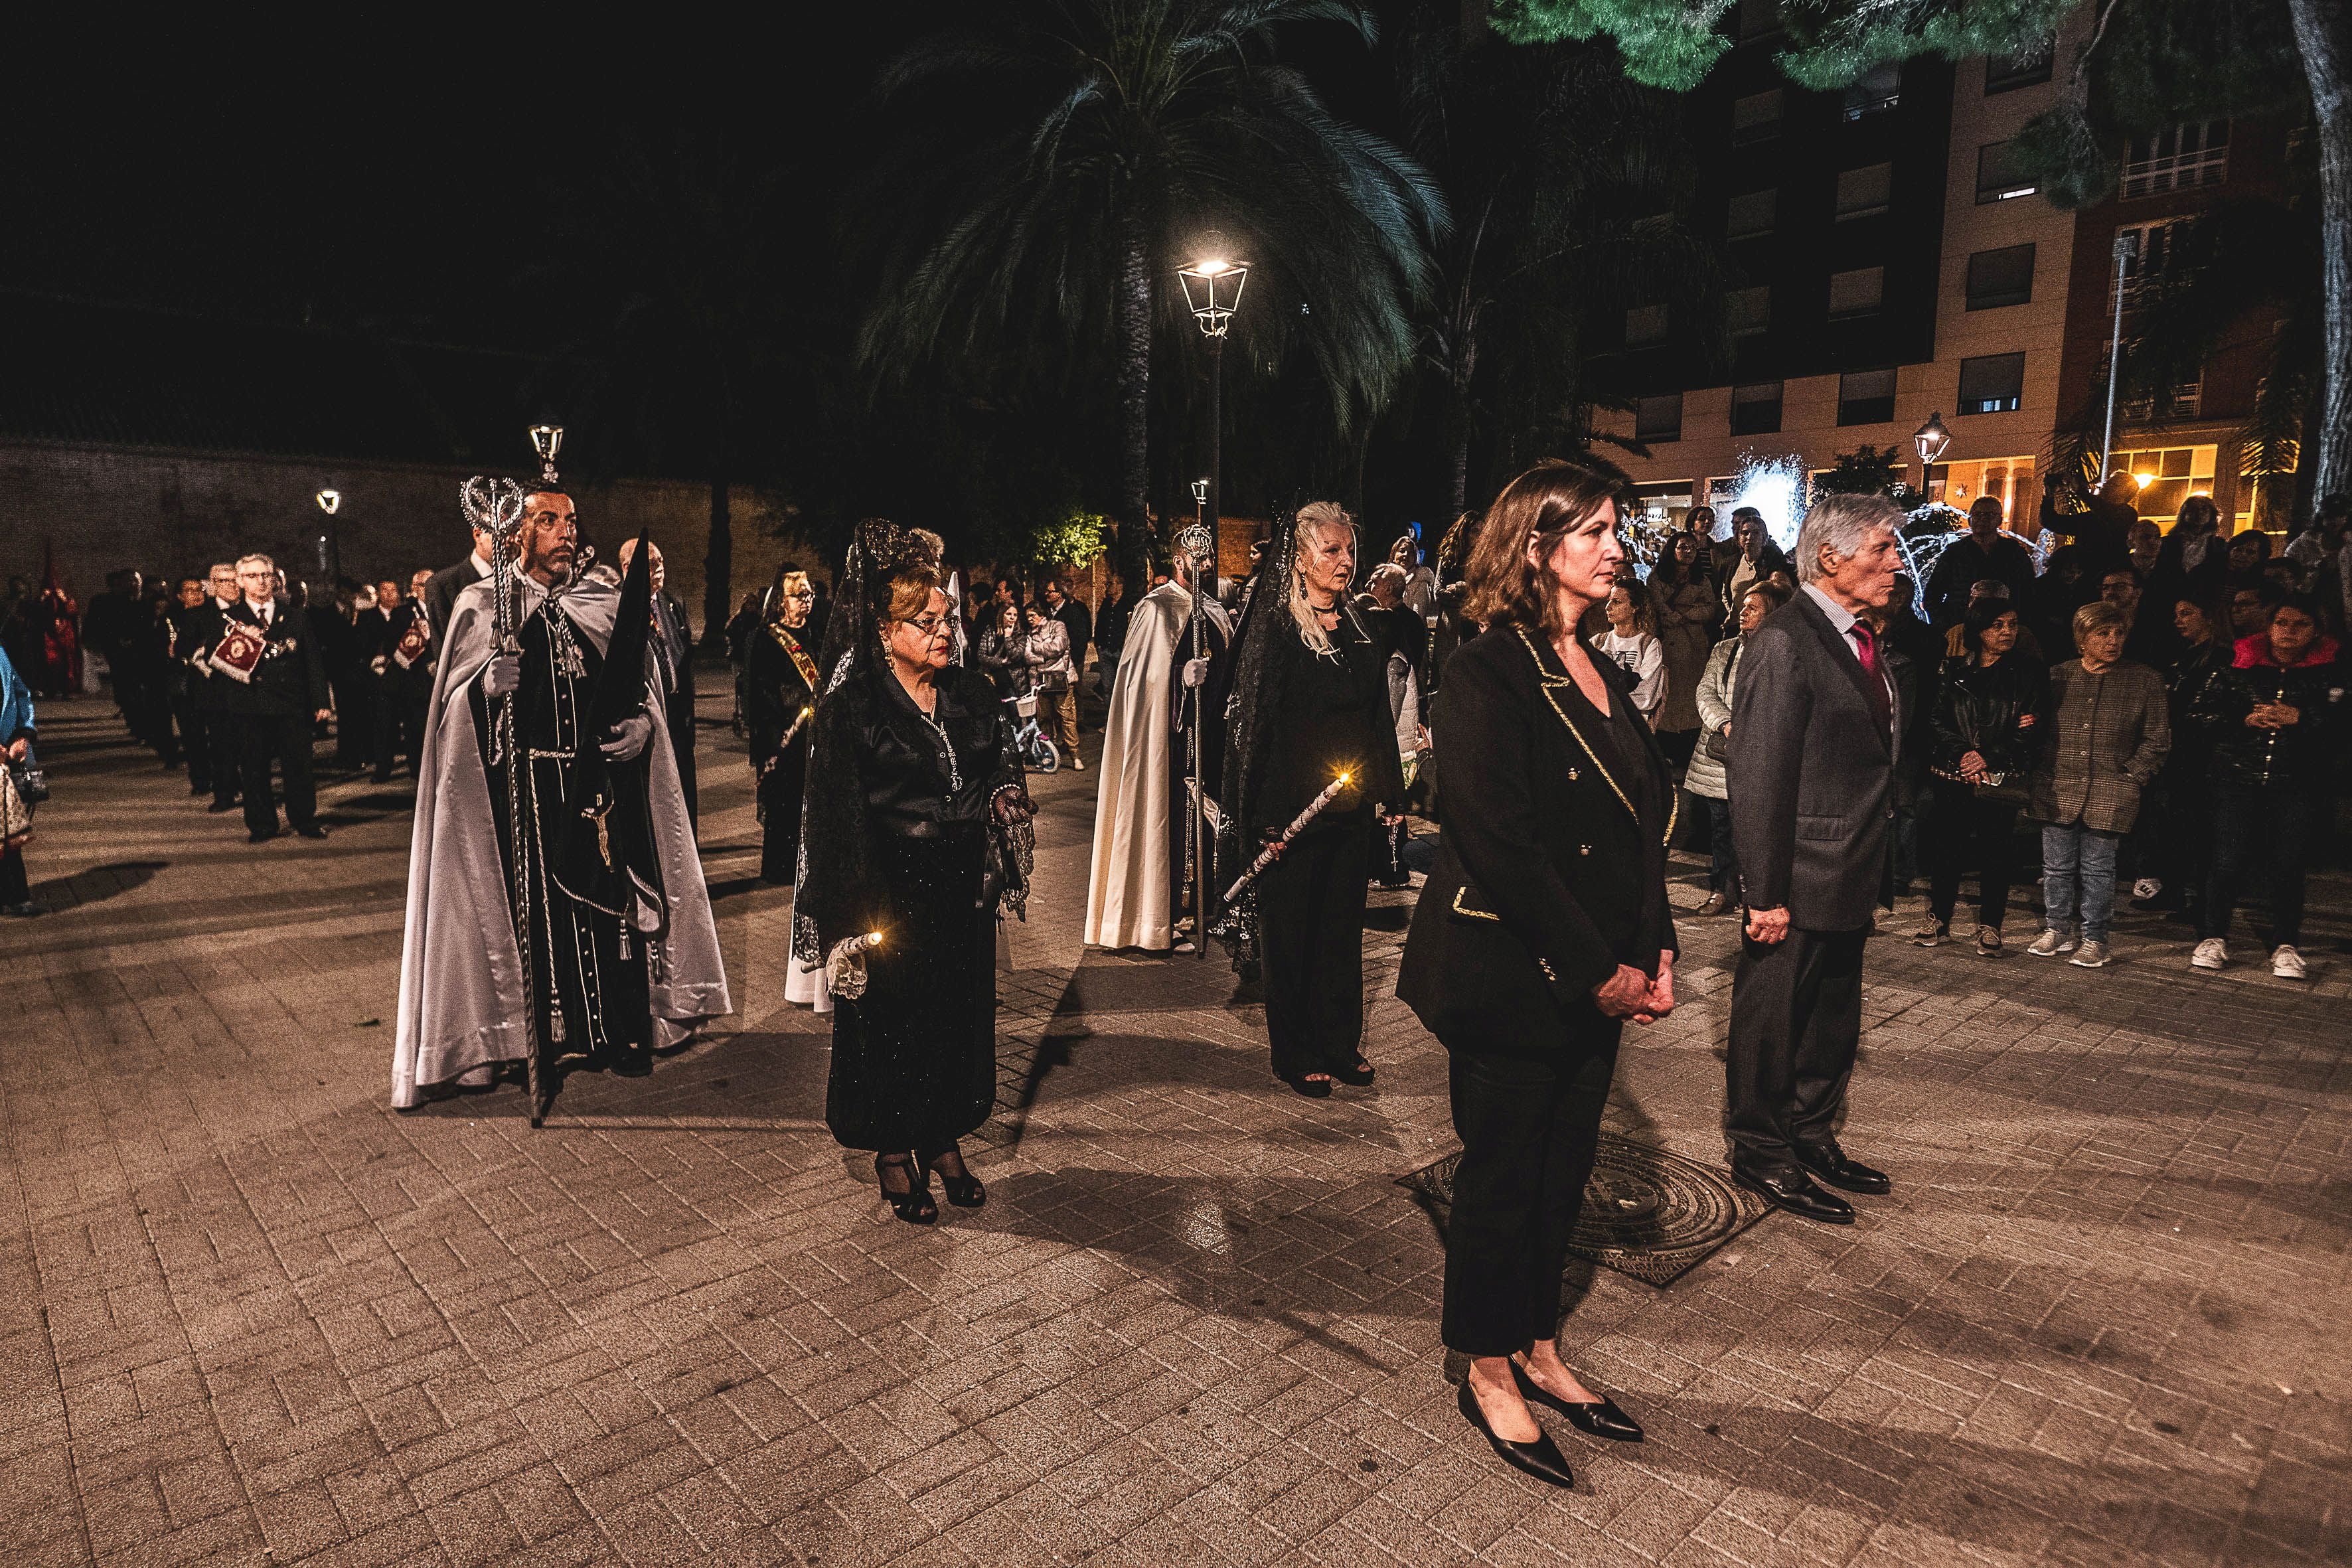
[2166,709]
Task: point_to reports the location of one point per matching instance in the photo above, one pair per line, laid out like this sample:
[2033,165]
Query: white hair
[244,561]
[1313,519]
[1840,523]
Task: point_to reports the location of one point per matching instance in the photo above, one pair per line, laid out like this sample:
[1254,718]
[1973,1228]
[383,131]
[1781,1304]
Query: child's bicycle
[1037,754]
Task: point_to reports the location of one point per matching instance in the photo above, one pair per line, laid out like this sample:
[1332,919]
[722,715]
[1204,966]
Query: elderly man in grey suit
[1814,727]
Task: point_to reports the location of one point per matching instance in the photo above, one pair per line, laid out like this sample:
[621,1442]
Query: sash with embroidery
[411,646]
[801,660]
[240,650]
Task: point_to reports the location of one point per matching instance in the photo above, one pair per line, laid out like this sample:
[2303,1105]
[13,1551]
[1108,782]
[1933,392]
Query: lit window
[2002,174]
[1857,293]
[1994,383]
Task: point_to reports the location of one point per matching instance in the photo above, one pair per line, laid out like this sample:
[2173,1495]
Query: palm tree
[1060,165]
[1555,164]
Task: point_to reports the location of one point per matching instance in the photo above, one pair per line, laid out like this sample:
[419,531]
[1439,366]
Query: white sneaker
[2210,954]
[2094,955]
[2145,889]
[2287,963]
[2049,944]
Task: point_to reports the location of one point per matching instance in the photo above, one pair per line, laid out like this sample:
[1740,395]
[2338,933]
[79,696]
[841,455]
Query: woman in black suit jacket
[1544,927]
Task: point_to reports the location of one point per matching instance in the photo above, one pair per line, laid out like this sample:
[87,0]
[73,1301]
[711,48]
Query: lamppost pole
[2126,248]
[1930,439]
[329,502]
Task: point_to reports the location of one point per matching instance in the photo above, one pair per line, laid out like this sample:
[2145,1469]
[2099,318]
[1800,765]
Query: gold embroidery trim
[1473,914]
[1549,681]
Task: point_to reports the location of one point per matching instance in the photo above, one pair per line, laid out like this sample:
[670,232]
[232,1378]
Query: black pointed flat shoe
[1600,1418]
[1540,1458]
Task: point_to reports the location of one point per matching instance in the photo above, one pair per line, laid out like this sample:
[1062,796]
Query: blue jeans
[2078,858]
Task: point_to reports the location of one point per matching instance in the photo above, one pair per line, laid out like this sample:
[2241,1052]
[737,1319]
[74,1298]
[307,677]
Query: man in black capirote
[1816,726]
[275,706]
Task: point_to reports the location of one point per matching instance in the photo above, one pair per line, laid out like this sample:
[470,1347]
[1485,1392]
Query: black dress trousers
[1796,1024]
[1312,942]
[262,737]
[1529,1127]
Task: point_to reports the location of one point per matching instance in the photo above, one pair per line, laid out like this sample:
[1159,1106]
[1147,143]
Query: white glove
[502,675]
[628,737]
[845,969]
[1196,673]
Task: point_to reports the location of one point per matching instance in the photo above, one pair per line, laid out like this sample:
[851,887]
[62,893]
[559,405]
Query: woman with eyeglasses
[781,684]
[916,840]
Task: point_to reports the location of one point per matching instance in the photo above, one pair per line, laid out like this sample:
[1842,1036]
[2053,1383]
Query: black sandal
[1313,1089]
[1355,1077]
[963,1188]
[914,1205]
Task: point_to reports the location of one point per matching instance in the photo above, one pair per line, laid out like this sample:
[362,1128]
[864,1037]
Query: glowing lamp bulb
[1211,268]
[2144,480]
[328,500]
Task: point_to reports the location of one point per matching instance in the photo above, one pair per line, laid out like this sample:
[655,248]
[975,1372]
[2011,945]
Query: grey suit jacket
[1812,775]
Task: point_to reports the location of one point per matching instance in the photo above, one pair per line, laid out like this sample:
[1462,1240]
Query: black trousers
[195,741]
[399,727]
[222,743]
[15,886]
[1796,1022]
[1530,1128]
[1310,907]
[1965,827]
[2268,829]
[262,739]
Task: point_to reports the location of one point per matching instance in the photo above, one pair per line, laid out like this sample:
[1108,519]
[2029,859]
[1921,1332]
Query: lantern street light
[547,440]
[1212,292]
[1930,438]
[330,544]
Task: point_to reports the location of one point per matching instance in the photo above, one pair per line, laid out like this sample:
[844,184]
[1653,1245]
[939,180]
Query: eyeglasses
[928,626]
[803,594]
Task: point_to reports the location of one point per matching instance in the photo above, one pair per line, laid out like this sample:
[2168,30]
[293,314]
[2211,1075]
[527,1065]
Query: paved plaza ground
[250,1315]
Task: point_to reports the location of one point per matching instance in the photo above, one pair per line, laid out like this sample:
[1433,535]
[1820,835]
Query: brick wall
[166,512]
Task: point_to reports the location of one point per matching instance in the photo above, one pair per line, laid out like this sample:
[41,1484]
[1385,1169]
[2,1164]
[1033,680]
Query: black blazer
[290,682]
[1811,773]
[1546,879]
[441,591]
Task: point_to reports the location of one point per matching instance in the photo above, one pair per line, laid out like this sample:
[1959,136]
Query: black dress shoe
[1798,1193]
[1600,1419]
[261,836]
[1828,1162]
[1540,1458]
[312,831]
[231,804]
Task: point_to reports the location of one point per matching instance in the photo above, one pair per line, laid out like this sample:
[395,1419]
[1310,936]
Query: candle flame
[874,938]
[1345,777]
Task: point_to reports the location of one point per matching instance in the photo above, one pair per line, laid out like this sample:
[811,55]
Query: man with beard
[619,954]
[1135,889]
[277,690]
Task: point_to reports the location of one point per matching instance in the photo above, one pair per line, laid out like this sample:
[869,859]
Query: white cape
[462,987]
[1129,892]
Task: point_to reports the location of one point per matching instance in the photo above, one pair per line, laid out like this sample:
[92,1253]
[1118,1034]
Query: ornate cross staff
[496,507]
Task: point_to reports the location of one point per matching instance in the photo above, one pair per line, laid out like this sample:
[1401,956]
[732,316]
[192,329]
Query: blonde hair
[2098,615]
[1313,519]
[911,588]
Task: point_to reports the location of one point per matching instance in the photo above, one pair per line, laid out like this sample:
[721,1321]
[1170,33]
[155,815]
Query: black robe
[780,682]
[588,980]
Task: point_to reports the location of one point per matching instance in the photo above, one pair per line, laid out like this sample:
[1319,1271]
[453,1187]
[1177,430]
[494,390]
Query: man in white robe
[1134,885]
[465,999]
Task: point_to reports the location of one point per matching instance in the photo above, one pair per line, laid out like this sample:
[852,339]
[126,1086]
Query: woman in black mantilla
[779,685]
[1544,927]
[917,831]
[1310,702]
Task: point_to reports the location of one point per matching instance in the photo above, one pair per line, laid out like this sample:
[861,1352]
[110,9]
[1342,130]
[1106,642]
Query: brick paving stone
[248,1314]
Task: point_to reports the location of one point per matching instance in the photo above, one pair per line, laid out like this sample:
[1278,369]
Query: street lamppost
[331,552]
[1213,291]
[2127,252]
[1930,438]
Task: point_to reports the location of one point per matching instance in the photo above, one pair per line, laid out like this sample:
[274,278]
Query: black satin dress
[901,840]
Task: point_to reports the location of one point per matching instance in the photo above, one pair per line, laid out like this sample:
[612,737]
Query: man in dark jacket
[441,592]
[190,624]
[282,694]
[1815,732]
[1073,614]
[1985,551]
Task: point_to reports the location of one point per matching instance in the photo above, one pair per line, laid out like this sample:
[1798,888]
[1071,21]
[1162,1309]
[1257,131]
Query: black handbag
[32,780]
